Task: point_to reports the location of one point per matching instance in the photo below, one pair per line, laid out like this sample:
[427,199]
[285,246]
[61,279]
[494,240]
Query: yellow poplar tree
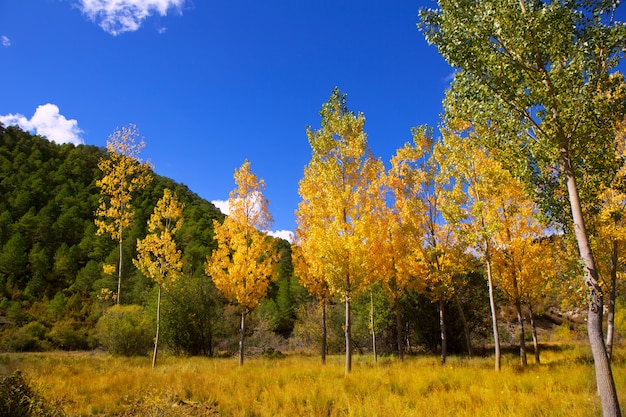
[122,174]
[470,204]
[336,190]
[395,235]
[243,263]
[440,253]
[157,255]
[517,248]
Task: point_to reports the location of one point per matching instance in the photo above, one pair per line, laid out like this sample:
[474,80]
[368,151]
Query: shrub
[125,330]
[30,337]
[19,399]
[68,335]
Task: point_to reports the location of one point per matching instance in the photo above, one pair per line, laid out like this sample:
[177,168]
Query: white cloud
[5,41]
[48,122]
[222,205]
[119,16]
[282,234]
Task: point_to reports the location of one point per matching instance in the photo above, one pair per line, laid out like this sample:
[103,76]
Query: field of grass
[85,384]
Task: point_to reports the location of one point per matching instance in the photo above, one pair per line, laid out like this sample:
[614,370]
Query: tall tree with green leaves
[123,173]
[157,255]
[334,214]
[534,79]
[243,263]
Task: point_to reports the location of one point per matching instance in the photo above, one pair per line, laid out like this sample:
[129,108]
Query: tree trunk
[242,335]
[604,374]
[466,330]
[442,327]
[494,316]
[610,319]
[158,323]
[119,271]
[522,341]
[347,334]
[533,329]
[373,326]
[324,334]
[399,333]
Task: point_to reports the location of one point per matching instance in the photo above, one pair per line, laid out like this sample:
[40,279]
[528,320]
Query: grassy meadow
[89,383]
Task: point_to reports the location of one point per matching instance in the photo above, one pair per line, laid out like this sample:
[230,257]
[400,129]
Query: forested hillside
[51,264]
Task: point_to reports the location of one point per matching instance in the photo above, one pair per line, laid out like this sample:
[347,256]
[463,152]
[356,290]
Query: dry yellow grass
[99,384]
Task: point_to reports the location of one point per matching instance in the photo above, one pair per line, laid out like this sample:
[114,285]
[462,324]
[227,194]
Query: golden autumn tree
[243,263]
[517,249]
[396,234]
[157,255]
[470,204]
[333,217]
[123,173]
[442,252]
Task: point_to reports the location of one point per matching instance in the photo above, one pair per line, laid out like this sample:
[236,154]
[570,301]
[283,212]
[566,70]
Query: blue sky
[212,83]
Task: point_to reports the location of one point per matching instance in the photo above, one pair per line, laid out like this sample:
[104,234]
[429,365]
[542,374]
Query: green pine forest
[53,289]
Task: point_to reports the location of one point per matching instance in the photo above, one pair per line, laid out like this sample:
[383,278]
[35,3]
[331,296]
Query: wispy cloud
[450,77]
[6,42]
[119,16]
[48,122]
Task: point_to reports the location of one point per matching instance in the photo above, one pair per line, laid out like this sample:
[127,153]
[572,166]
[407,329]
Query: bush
[68,335]
[125,330]
[19,399]
[30,337]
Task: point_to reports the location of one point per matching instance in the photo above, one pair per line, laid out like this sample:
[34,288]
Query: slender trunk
[520,319]
[522,341]
[406,339]
[242,334]
[610,319]
[158,324]
[119,271]
[494,316]
[324,331]
[533,328]
[604,375]
[347,334]
[373,326]
[466,330]
[399,328]
[442,327]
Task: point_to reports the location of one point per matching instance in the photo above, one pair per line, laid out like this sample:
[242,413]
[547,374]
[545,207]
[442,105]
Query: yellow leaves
[339,193]
[309,278]
[157,255]
[109,269]
[243,263]
[123,173]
